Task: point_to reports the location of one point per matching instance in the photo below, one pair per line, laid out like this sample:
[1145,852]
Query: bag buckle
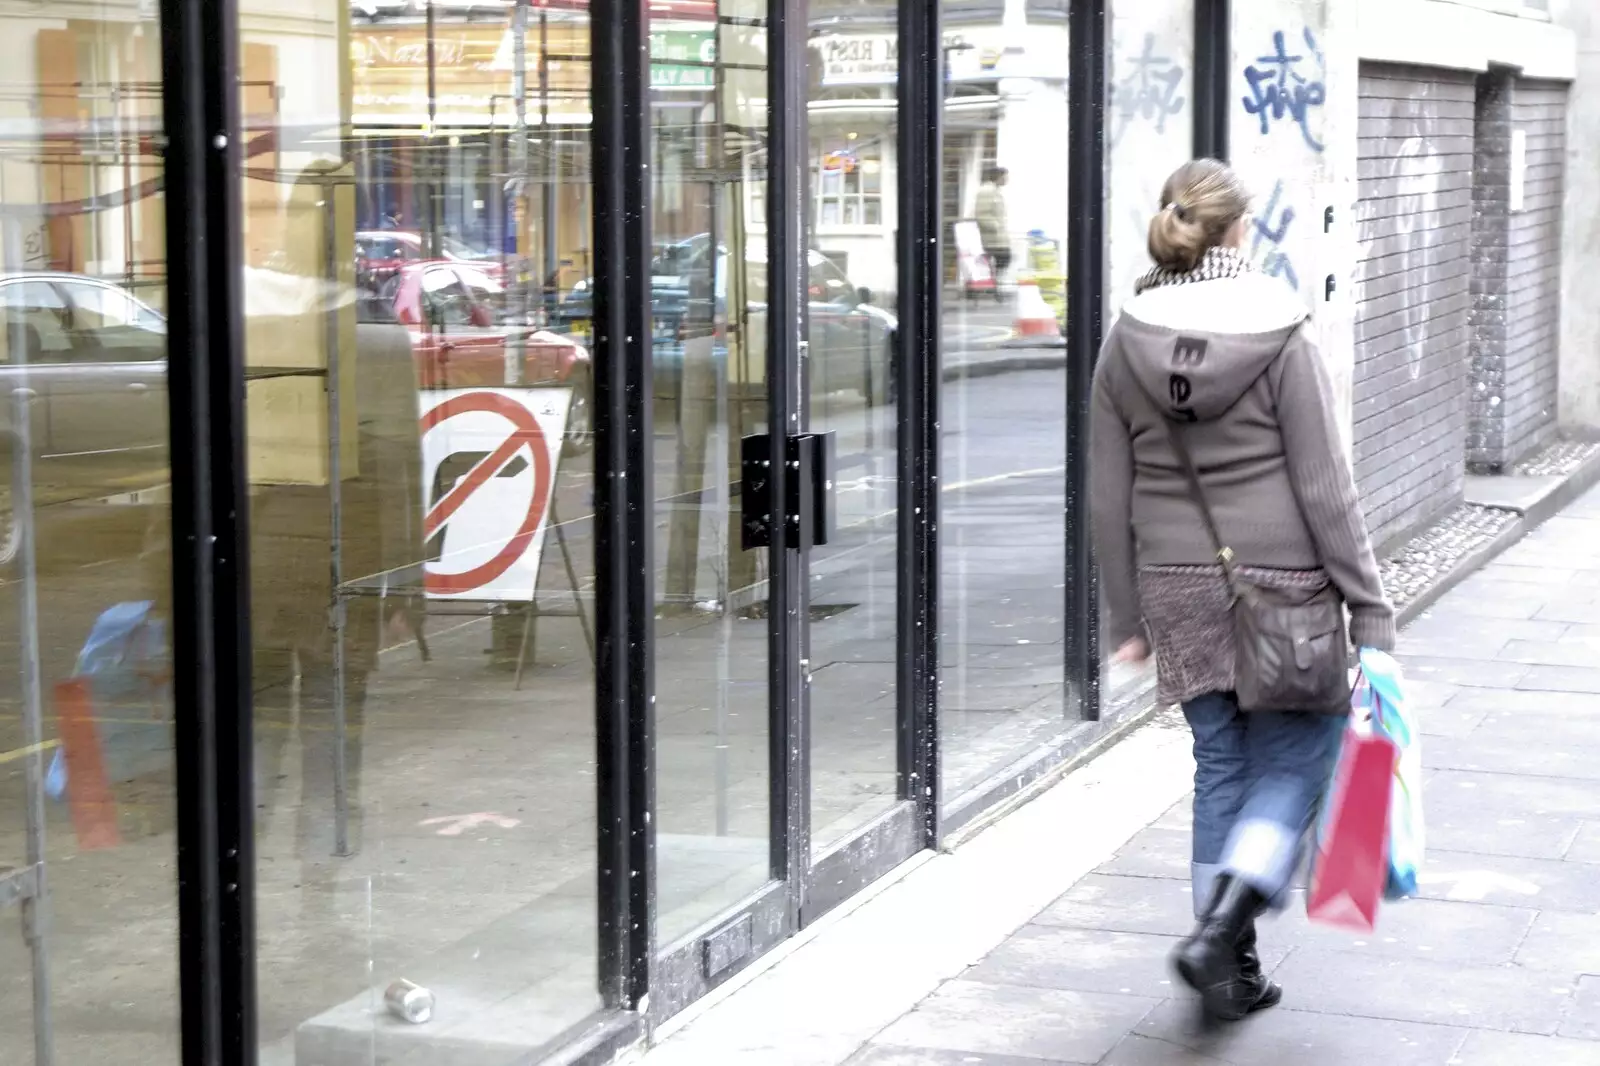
[1225,555]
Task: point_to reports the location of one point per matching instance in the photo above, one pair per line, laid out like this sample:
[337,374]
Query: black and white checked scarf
[1217,263]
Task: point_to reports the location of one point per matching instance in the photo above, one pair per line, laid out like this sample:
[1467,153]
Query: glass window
[852,393]
[848,168]
[1003,552]
[828,283]
[449,302]
[424,685]
[709,391]
[38,311]
[112,325]
[88,848]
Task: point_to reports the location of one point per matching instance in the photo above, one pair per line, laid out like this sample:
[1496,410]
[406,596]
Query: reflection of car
[457,342]
[380,255]
[851,340]
[90,362]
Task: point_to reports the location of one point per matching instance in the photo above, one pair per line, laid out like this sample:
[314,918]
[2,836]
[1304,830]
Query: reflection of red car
[447,309]
[382,253]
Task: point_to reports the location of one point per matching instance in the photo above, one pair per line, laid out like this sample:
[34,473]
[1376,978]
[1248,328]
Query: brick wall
[1413,294]
[1516,267]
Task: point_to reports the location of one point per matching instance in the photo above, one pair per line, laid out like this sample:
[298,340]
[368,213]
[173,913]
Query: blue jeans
[1258,780]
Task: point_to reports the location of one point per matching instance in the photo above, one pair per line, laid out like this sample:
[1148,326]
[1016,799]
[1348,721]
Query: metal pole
[431,235]
[497,192]
[722,442]
[519,182]
[552,253]
[35,905]
[341,783]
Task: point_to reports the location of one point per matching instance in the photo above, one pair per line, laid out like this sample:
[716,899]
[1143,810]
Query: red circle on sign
[527,433]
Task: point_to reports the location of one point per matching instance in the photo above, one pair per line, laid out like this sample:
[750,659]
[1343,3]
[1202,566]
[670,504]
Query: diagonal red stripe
[474,481]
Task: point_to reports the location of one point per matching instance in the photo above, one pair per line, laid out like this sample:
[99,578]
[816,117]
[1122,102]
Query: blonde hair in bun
[1200,202]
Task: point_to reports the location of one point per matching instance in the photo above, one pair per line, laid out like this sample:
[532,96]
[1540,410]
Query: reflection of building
[435,123]
[1004,85]
[79,112]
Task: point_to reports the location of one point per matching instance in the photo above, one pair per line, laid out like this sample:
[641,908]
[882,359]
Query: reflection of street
[454,739]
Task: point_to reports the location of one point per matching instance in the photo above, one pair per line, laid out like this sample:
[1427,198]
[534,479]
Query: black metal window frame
[210,533]
[1088,39]
[216,861]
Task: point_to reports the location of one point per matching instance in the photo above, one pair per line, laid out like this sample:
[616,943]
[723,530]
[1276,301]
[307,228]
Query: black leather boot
[1208,959]
[1254,985]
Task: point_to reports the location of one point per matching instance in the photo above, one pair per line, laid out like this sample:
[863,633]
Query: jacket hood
[1199,347]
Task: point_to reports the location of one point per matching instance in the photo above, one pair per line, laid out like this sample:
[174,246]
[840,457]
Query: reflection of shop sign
[682,59]
[449,50]
[836,162]
[860,59]
[874,58]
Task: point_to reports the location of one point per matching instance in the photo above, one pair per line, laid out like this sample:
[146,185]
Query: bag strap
[1191,473]
[1197,492]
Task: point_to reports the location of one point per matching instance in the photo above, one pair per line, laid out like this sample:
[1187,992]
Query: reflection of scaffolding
[117,139]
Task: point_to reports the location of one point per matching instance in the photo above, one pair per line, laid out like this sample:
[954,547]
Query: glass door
[717,796]
[850,394]
[775,473]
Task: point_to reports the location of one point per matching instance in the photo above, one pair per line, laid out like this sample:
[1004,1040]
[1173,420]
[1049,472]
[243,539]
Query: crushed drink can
[409,1001]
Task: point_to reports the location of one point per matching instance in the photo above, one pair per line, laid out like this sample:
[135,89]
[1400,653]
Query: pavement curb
[1006,364]
[1530,518]
[1574,485]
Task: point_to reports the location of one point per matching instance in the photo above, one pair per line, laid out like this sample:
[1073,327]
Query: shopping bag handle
[1385,721]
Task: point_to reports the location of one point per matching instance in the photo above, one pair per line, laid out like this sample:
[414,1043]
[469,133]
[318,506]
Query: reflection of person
[292,583]
[991,218]
[1225,344]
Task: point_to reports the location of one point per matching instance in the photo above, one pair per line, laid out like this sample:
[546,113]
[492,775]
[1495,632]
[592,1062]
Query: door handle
[139,387]
[808,508]
[30,395]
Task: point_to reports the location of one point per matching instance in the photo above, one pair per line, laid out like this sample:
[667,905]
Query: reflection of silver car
[89,360]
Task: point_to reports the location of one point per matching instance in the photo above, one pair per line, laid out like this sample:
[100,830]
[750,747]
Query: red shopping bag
[1352,861]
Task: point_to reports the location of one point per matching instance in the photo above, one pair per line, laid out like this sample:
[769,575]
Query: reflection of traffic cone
[1033,316]
[94,808]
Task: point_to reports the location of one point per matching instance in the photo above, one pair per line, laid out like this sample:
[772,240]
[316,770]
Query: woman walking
[1220,480]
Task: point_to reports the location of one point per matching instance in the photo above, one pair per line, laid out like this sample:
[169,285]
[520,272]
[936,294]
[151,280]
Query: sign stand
[529,636]
[412,582]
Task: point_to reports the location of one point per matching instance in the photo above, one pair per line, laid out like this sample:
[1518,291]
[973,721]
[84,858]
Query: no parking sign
[489,462]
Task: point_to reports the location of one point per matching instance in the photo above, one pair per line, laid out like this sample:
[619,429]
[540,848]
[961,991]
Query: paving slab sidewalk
[1497,964]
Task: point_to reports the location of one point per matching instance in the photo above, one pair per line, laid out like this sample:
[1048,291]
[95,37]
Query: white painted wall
[1149,127]
[1294,141]
[1580,236]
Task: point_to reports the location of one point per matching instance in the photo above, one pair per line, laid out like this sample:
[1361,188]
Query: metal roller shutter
[1413,292]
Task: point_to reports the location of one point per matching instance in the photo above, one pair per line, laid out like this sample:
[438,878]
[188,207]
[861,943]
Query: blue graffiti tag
[1280,90]
[1149,92]
[1271,230]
